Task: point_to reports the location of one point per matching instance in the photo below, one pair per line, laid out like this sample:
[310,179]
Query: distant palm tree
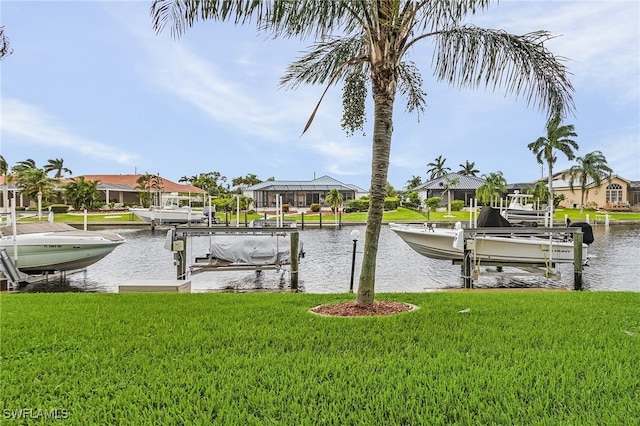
[449,184]
[557,139]
[4,170]
[366,44]
[24,164]
[81,193]
[32,180]
[146,185]
[592,166]
[413,182]
[334,200]
[56,165]
[494,184]
[437,168]
[540,192]
[468,169]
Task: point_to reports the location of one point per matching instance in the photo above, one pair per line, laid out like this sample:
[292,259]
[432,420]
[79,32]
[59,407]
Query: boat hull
[67,250]
[439,244]
[168,216]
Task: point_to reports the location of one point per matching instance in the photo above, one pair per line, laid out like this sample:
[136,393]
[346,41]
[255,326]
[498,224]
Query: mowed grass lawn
[509,358]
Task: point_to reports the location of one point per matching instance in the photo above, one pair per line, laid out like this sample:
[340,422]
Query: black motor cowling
[587,231]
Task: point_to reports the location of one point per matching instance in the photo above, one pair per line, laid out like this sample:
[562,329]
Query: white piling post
[85,219]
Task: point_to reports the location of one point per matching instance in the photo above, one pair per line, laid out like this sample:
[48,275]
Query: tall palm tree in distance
[56,165]
[413,182]
[593,166]
[468,168]
[558,138]
[437,168]
[366,44]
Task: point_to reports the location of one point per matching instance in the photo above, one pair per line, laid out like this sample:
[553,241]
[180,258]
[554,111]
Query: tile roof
[464,182]
[119,182]
[319,184]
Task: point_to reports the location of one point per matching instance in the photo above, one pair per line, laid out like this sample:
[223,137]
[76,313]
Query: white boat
[49,247]
[170,213]
[501,247]
[520,208]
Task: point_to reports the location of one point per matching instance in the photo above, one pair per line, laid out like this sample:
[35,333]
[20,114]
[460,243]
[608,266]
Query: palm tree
[81,193]
[147,184]
[494,184]
[32,180]
[4,170]
[593,166]
[540,192]
[24,164]
[557,139]
[366,43]
[56,165]
[437,168]
[449,184]
[334,200]
[468,168]
[413,182]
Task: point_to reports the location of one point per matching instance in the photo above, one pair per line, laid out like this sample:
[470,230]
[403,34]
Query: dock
[155,286]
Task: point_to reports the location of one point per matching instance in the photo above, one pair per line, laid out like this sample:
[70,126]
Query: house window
[614,193]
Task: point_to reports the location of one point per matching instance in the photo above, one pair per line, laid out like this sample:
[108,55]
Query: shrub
[433,203]
[391,203]
[359,205]
[59,208]
[315,207]
[285,208]
[457,205]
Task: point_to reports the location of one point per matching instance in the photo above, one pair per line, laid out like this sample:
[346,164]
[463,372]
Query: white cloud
[28,124]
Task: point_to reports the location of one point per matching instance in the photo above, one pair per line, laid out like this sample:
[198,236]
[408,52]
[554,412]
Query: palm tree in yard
[492,188]
[437,168]
[366,44]
[558,138]
[413,182]
[56,165]
[592,167]
[468,168]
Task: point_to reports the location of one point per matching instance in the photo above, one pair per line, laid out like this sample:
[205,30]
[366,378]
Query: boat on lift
[172,212]
[521,208]
[42,247]
[537,248]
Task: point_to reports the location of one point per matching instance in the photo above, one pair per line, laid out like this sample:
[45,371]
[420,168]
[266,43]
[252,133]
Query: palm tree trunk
[382,129]
[550,194]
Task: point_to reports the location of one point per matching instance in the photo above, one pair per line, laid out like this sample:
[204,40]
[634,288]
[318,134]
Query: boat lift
[177,238]
[471,266]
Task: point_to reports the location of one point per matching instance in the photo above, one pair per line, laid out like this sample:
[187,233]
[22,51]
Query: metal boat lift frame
[469,273]
[180,234]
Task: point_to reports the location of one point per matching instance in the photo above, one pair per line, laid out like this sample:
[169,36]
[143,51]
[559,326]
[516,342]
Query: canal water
[326,267]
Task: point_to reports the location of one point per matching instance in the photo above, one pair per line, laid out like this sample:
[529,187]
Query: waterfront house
[299,193]
[461,188]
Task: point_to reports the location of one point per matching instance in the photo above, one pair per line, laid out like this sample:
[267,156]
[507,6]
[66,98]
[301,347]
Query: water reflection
[326,268]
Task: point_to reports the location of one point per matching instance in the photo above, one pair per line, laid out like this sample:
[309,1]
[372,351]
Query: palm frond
[326,62]
[471,56]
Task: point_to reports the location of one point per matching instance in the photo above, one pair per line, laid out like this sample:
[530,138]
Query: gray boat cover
[251,250]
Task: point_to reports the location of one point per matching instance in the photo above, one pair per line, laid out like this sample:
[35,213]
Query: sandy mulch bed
[352,309]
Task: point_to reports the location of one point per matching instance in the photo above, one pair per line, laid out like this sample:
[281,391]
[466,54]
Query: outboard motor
[587,231]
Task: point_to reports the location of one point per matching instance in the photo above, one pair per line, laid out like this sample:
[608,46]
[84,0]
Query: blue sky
[91,83]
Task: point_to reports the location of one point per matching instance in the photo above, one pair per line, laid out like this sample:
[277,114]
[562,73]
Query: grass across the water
[548,358]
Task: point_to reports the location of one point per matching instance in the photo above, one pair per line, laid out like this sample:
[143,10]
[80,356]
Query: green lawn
[516,358]
[400,215]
